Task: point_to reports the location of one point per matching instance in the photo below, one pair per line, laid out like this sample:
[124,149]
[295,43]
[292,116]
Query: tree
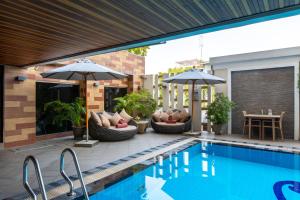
[140,51]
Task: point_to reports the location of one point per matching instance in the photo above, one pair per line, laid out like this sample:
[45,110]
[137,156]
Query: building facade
[19,118]
[260,81]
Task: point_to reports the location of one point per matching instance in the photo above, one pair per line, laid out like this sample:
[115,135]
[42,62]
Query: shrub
[137,104]
[218,110]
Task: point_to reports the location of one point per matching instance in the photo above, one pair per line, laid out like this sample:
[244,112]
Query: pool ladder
[38,175]
[79,174]
[62,172]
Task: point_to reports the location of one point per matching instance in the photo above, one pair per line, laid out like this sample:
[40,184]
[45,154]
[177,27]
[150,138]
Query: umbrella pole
[86,142]
[86,109]
[193,90]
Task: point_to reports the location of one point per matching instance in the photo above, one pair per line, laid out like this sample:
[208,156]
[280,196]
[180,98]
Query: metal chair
[278,125]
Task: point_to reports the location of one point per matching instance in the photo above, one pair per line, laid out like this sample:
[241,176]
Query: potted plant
[72,112]
[218,112]
[137,104]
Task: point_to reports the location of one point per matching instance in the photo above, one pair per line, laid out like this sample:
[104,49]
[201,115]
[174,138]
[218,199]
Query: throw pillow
[176,116]
[183,115]
[169,111]
[125,116]
[122,121]
[96,118]
[105,121]
[124,125]
[107,115]
[156,116]
[164,117]
[115,119]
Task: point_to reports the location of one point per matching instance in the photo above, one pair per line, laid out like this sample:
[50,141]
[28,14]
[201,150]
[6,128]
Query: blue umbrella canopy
[83,70]
[194,76]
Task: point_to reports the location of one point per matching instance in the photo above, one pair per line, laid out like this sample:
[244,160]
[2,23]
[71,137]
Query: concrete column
[172,96]
[197,123]
[156,87]
[190,99]
[148,84]
[165,94]
[209,93]
[179,96]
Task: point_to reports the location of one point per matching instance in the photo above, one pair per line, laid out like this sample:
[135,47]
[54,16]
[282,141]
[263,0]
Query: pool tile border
[251,144]
[195,140]
[145,163]
[97,169]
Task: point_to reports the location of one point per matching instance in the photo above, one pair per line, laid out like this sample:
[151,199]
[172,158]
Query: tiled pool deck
[48,152]
[94,161]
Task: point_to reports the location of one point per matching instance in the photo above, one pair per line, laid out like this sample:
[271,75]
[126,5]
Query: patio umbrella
[84,70]
[194,76]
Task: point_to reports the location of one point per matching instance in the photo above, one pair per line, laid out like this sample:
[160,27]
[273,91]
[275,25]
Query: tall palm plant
[62,112]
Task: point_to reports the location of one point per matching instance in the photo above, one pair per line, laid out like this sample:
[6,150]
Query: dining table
[262,117]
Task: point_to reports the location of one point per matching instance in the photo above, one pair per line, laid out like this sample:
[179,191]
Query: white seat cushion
[128,128]
[169,124]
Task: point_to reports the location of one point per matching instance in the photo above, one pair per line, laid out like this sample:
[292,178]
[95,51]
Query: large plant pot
[218,128]
[78,132]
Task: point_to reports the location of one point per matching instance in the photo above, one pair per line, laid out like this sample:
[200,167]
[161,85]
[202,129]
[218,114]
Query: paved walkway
[48,152]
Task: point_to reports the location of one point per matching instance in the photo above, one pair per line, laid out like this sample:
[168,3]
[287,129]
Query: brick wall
[122,61]
[19,97]
[265,89]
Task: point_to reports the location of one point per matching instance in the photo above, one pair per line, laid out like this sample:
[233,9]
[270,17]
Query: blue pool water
[213,171]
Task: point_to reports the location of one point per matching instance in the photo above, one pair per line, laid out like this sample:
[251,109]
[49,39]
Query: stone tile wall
[19,96]
[253,90]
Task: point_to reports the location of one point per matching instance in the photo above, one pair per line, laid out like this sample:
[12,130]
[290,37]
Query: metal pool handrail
[79,174]
[39,177]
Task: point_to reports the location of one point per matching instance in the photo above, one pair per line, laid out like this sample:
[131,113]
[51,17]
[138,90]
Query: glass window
[47,92]
[110,94]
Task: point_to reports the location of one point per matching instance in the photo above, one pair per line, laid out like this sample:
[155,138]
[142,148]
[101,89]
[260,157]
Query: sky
[275,34]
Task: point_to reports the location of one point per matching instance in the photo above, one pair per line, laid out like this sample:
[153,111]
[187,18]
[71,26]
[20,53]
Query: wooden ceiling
[38,31]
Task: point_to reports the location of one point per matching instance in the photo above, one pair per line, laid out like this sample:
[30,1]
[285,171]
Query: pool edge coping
[138,158]
[185,142]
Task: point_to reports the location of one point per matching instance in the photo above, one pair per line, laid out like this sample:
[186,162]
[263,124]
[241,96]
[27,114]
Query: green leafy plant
[218,110]
[137,104]
[140,51]
[61,112]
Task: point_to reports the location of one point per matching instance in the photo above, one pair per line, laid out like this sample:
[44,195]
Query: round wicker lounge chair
[111,134]
[161,127]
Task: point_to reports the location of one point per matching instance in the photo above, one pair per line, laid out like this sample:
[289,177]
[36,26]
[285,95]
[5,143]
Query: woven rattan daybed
[111,134]
[162,127]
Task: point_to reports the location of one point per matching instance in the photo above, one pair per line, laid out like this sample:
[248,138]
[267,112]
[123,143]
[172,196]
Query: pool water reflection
[210,171]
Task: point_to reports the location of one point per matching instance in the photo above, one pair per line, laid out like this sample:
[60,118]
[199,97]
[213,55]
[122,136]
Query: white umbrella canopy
[84,69]
[194,76]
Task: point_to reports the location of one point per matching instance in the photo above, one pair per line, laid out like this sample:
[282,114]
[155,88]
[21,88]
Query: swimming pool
[213,171]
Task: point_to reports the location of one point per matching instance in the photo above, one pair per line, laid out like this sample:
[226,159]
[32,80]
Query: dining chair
[278,125]
[254,123]
[245,121]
